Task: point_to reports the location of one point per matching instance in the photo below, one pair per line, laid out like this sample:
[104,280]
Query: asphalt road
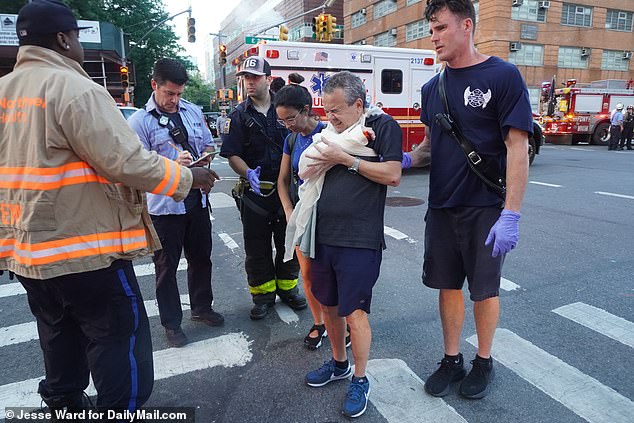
[563,351]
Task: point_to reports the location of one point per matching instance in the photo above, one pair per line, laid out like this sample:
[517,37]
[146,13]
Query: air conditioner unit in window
[363,11]
[543,4]
[517,3]
[514,46]
[627,55]
[393,32]
[585,52]
[363,42]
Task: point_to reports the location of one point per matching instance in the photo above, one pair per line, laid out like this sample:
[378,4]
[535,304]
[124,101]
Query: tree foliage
[198,91]
[135,18]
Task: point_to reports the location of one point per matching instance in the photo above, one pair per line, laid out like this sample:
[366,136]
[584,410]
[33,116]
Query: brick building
[570,39]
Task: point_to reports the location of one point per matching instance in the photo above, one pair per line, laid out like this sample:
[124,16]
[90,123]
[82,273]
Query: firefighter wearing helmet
[616,128]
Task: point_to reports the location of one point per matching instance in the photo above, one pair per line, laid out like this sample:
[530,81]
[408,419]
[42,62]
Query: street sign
[255,40]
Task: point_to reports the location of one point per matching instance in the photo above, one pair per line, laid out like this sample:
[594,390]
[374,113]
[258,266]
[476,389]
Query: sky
[208,14]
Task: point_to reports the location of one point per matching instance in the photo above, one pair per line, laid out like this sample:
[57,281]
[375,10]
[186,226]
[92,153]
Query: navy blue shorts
[454,249]
[344,277]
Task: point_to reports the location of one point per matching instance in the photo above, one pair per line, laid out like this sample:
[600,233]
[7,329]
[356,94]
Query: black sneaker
[439,382]
[312,343]
[476,384]
[210,318]
[259,311]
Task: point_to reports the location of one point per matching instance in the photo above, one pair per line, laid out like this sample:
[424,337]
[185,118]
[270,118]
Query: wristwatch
[355,165]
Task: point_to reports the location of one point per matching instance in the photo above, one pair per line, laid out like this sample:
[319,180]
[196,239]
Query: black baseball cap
[255,66]
[41,17]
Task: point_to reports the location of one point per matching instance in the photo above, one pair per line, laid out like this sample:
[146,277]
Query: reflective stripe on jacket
[72,172]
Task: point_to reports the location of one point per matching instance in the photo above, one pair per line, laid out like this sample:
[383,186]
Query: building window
[571,57]
[534,95]
[619,20]
[416,30]
[528,32]
[576,15]
[384,40]
[384,7]
[358,19]
[411,2]
[614,60]
[391,81]
[528,55]
[529,11]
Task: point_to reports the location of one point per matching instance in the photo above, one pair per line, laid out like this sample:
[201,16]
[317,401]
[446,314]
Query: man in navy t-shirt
[469,228]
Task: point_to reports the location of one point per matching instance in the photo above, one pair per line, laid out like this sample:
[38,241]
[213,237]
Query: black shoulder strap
[252,122]
[478,164]
[175,132]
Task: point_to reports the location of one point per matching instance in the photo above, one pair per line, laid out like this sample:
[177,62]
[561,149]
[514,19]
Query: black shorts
[454,249]
[344,277]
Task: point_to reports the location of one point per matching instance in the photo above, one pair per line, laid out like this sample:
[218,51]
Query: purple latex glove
[253,176]
[406,163]
[504,233]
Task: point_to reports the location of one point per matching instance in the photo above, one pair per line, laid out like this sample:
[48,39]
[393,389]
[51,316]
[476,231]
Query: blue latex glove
[253,176]
[505,233]
[406,163]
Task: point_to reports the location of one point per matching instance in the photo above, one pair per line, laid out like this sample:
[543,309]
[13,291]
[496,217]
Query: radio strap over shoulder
[477,163]
[175,132]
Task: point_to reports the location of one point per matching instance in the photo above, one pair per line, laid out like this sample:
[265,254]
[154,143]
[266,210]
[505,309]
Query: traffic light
[124,73]
[331,27]
[319,27]
[222,54]
[191,30]
[283,33]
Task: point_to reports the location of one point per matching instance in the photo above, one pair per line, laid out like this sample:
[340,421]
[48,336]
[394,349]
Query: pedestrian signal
[283,33]
[124,73]
[191,30]
[222,54]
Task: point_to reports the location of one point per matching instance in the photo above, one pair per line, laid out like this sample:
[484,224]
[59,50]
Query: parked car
[210,118]
[127,111]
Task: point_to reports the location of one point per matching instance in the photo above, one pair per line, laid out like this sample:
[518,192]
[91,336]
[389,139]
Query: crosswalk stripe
[25,332]
[10,289]
[229,242]
[600,321]
[397,393]
[285,313]
[507,285]
[148,268]
[220,200]
[580,393]
[231,350]
[397,235]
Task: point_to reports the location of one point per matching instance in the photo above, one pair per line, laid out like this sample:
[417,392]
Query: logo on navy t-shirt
[476,98]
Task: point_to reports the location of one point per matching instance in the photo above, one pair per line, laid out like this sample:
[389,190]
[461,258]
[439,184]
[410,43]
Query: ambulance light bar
[272,54]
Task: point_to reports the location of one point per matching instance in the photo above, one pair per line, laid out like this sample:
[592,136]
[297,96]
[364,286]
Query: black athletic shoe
[439,382]
[259,311]
[476,384]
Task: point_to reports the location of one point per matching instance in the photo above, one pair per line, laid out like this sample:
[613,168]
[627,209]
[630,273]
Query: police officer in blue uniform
[253,146]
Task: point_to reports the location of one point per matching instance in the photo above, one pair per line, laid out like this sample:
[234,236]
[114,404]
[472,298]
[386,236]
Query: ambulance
[393,77]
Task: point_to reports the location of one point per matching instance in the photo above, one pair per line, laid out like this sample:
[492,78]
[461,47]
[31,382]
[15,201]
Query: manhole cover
[403,201]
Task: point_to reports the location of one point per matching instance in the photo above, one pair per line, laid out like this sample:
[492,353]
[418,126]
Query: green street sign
[255,40]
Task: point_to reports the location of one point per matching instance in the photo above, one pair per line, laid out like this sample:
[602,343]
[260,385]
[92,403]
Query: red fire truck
[581,112]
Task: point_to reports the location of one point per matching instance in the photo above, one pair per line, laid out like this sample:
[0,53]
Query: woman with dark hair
[293,104]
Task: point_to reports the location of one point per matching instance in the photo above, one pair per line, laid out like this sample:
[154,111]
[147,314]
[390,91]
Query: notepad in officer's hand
[202,161]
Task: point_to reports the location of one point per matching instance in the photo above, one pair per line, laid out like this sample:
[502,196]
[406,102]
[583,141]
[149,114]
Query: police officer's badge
[227,125]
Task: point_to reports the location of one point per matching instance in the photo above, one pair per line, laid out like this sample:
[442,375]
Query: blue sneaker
[326,374]
[357,398]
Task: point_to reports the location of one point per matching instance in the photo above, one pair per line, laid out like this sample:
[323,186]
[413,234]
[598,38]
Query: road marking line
[285,313]
[611,194]
[599,320]
[229,242]
[507,285]
[25,332]
[220,200]
[10,289]
[581,149]
[580,393]
[231,350]
[398,235]
[545,184]
[398,394]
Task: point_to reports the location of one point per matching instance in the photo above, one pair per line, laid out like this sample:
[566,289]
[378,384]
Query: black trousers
[615,136]
[626,137]
[262,219]
[94,323]
[190,232]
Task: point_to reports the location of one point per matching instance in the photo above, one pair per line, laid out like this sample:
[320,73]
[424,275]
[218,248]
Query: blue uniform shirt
[486,100]
[617,118]
[155,137]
